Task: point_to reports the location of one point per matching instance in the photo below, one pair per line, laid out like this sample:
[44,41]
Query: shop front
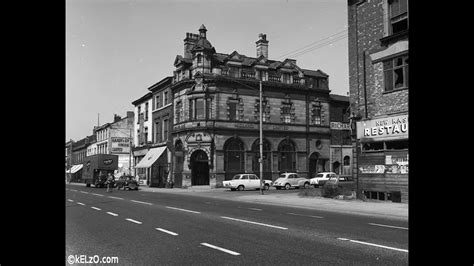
[383,158]
[75,172]
[156,167]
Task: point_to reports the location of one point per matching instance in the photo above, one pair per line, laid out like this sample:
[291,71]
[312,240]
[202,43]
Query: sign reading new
[390,127]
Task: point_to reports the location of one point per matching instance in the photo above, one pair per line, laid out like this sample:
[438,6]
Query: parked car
[287,180]
[127,183]
[246,181]
[321,178]
[345,182]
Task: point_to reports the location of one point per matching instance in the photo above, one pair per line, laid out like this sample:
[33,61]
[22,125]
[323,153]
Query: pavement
[381,209]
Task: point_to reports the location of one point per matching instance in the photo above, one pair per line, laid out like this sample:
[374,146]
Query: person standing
[109,182]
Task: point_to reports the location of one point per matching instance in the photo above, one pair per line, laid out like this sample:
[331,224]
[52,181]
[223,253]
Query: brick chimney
[117,118]
[189,43]
[262,45]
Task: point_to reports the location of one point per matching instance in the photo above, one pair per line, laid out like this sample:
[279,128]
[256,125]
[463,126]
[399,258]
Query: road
[176,229]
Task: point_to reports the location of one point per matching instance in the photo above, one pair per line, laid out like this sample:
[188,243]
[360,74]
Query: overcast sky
[117,49]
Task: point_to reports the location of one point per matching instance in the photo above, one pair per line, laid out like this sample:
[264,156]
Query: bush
[330,191]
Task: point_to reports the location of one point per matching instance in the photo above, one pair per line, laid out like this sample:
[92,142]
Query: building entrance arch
[199,168]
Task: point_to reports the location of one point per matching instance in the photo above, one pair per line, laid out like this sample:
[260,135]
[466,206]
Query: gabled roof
[179,59]
[313,73]
[235,56]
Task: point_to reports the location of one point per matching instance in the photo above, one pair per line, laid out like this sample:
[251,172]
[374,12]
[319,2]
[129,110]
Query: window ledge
[393,37]
[400,89]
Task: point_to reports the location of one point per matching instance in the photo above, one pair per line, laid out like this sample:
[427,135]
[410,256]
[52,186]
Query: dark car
[127,183]
[342,181]
[101,181]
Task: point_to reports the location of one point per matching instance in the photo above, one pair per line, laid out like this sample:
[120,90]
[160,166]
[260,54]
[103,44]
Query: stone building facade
[378,80]
[216,115]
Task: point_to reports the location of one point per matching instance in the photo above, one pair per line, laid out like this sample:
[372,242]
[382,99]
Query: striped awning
[74,169]
[151,156]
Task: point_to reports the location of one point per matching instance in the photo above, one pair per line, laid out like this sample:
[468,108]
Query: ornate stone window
[235,109]
[287,111]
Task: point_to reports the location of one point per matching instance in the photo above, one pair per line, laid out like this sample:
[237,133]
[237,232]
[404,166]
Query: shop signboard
[383,128]
[340,126]
[120,145]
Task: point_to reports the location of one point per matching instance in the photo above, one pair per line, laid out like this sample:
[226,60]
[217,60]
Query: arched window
[199,58]
[287,156]
[347,160]
[233,157]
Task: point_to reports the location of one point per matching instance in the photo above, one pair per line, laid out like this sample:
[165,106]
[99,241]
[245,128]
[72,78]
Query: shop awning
[151,156]
[76,168]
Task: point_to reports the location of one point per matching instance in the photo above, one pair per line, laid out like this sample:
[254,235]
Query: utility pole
[130,154]
[261,141]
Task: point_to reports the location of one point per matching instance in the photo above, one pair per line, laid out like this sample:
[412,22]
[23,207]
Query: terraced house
[215,131]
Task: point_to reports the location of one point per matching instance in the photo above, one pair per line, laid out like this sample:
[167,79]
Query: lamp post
[261,141]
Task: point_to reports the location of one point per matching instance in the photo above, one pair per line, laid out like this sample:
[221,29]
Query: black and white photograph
[236,132]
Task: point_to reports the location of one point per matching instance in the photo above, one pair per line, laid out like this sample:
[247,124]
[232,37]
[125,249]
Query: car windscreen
[282,176]
[236,177]
[319,175]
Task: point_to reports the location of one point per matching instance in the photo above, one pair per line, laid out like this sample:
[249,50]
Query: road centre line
[84,192]
[313,216]
[133,221]
[371,244]
[97,194]
[95,208]
[253,209]
[184,210]
[115,197]
[245,221]
[391,226]
[80,203]
[113,214]
[73,190]
[142,202]
[221,249]
[70,200]
[166,231]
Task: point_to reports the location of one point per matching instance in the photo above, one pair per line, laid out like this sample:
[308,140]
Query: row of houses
[200,125]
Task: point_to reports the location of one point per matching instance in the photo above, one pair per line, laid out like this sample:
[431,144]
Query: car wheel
[266,187]
[306,185]
[240,188]
[287,186]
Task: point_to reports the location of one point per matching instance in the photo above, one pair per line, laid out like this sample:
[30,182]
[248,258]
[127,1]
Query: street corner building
[200,126]
[378,80]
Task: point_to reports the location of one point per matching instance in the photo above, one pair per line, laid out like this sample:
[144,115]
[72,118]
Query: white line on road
[113,214]
[73,190]
[70,200]
[133,221]
[184,210]
[97,194]
[115,197]
[137,201]
[305,215]
[245,221]
[80,203]
[95,208]
[371,244]
[391,226]
[253,209]
[166,231]
[84,192]
[221,249]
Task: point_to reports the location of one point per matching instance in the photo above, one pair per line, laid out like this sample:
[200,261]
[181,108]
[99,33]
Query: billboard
[120,145]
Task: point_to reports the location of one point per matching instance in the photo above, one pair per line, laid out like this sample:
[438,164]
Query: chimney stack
[117,118]
[262,45]
[189,43]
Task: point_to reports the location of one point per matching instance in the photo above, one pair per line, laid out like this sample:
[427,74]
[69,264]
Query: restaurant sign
[395,126]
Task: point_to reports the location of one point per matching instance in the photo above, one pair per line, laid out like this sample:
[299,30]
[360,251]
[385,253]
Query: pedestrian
[109,182]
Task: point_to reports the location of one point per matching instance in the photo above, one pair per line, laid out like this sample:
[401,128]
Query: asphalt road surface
[136,227]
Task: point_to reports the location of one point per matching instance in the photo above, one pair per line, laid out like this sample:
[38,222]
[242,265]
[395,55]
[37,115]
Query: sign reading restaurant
[394,126]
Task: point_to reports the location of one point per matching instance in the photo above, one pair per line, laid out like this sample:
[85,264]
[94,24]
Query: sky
[117,49]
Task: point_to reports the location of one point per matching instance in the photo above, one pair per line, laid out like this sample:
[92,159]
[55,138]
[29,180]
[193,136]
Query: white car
[246,181]
[321,178]
[288,180]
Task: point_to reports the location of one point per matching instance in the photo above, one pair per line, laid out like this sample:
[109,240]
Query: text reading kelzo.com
[72,259]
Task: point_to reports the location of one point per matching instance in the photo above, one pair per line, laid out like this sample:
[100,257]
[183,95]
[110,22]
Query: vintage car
[321,178]
[246,181]
[287,180]
[345,182]
[127,183]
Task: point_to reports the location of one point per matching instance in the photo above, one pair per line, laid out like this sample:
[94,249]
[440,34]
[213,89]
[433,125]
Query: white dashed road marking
[84,192]
[166,231]
[115,197]
[184,210]
[95,208]
[113,214]
[313,216]
[97,194]
[253,209]
[73,190]
[70,200]
[245,221]
[133,221]
[80,203]
[371,244]
[391,226]
[137,201]
[221,249]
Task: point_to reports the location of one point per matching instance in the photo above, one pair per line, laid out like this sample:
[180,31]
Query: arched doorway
[233,157]
[267,173]
[199,168]
[335,167]
[287,158]
[313,162]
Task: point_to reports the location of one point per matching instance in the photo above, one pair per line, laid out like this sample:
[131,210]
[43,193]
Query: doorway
[199,168]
